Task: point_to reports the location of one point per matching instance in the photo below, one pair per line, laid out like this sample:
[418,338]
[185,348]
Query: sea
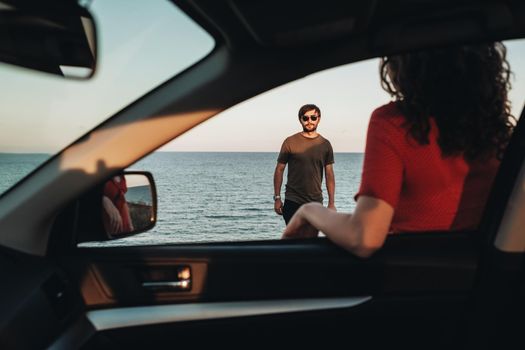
[209,196]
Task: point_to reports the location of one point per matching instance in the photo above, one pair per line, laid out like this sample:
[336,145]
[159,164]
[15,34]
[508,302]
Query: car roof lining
[383,25]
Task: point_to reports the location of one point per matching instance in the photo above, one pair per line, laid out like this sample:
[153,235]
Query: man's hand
[278,207]
[332,206]
[299,227]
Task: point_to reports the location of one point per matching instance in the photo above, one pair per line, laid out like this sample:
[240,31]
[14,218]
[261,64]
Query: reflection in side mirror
[124,205]
[128,204]
[56,36]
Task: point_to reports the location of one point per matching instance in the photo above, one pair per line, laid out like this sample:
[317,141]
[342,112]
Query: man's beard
[306,130]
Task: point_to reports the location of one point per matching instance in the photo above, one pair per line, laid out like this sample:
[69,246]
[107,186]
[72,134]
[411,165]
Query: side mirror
[128,204]
[56,36]
[124,205]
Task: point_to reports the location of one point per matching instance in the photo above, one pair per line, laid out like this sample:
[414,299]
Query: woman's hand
[114,224]
[299,227]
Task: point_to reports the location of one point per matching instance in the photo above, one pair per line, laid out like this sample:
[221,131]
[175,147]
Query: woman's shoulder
[388,113]
[388,117]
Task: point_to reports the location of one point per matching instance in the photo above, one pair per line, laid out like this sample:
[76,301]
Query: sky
[138,49]
[152,41]
[346,95]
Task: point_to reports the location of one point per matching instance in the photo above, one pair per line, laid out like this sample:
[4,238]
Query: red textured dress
[427,191]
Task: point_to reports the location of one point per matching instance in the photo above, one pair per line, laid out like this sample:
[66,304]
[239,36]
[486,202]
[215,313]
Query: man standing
[307,154]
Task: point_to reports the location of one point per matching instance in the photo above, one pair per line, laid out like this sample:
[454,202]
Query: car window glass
[215,183]
[42,114]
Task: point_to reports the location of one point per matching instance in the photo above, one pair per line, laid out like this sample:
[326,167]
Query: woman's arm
[361,233]
[112,220]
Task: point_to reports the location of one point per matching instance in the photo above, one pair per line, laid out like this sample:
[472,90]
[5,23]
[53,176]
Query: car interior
[424,290]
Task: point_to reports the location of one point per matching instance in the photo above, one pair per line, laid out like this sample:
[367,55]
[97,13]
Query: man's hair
[463,87]
[307,108]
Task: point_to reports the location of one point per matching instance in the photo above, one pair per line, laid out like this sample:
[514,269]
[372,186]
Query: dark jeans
[289,208]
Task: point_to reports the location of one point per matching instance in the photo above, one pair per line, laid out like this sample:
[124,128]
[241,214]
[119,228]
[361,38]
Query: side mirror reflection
[128,204]
[121,206]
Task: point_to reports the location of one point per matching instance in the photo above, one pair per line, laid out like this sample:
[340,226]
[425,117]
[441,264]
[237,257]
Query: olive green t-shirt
[306,159]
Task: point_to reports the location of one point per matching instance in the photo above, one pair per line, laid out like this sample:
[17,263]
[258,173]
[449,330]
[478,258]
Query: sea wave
[209,197]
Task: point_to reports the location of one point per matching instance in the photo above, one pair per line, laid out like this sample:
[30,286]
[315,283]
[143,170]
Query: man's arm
[330,185]
[277,183]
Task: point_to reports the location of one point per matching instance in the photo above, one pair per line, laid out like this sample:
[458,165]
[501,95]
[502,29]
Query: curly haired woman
[431,155]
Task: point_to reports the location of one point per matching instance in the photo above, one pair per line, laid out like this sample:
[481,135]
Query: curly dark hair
[464,88]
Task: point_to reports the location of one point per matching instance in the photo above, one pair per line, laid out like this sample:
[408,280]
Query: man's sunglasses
[311,117]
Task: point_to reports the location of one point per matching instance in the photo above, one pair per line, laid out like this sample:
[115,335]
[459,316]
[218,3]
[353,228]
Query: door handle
[168,285]
[170,282]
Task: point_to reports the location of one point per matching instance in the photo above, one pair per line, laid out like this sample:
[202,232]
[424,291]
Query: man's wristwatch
[276,198]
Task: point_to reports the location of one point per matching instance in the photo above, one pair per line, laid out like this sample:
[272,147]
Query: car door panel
[420,281]
[432,263]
